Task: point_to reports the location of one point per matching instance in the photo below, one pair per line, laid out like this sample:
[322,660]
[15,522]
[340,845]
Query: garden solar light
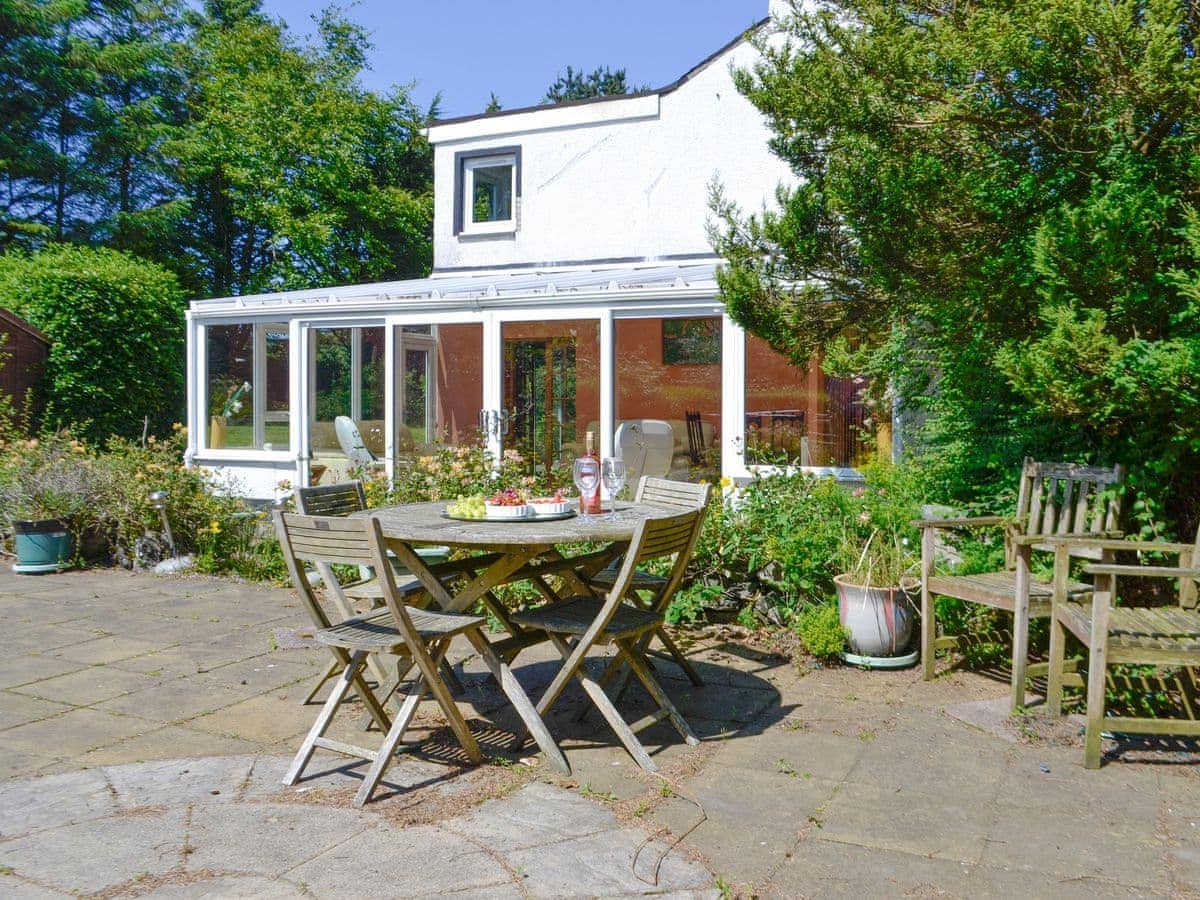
[158,500]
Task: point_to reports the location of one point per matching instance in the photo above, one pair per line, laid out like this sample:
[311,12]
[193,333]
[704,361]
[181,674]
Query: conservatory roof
[599,286]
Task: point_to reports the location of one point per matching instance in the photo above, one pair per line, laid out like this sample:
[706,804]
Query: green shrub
[788,535]
[116,326]
[690,601]
[105,497]
[820,629]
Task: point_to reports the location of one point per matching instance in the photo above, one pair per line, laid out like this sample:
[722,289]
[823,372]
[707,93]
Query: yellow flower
[726,482]
[214,527]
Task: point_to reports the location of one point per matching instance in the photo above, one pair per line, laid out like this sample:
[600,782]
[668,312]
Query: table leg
[521,702]
[495,574]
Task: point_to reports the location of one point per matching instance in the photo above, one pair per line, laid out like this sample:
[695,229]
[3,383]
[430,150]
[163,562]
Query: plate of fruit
[471,507]
[506,504]
[550,506]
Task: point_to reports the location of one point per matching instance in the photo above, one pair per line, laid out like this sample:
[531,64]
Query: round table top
[426,523]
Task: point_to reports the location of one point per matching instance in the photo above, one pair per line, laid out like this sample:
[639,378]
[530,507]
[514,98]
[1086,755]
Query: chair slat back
[665,492]
[331,499]
[659,538]
[1066,499]
[327,541]
[298,539]
[664,537]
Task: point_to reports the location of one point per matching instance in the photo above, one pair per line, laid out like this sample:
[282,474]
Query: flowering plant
[232,403]
[52,476]
[448,471]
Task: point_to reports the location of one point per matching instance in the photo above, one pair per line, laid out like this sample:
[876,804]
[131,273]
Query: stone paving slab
[72,733]
[17,709]
[162,742]
[824,782]
[189,828]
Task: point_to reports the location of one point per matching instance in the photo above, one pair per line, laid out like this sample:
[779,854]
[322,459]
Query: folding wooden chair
[416,635]
[683,495]
[596,621]
[341,500]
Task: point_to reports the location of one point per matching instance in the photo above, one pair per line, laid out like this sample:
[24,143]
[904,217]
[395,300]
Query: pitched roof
[10,321]
[608,98]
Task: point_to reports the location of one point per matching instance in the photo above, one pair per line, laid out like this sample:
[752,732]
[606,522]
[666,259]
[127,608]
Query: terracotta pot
[216,432]
[880,619]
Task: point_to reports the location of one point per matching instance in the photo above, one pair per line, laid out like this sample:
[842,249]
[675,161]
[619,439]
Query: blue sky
[468,48]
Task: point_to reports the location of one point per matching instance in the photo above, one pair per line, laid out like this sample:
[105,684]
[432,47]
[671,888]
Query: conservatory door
[550,389]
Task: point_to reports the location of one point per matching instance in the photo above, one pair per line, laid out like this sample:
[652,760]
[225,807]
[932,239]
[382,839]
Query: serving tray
[531,517]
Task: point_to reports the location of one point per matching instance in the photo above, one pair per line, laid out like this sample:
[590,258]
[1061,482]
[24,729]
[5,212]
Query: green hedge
[116,324]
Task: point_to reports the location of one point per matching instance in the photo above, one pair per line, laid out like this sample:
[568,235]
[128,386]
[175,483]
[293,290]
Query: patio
[145,723]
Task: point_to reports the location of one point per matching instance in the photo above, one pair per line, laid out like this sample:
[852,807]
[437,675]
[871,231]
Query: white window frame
[466,176]
[421,343]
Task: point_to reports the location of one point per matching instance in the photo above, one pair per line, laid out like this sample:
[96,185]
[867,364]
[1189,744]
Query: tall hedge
[116,324]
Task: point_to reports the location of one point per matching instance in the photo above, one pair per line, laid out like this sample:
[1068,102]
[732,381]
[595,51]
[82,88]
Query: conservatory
[526,361]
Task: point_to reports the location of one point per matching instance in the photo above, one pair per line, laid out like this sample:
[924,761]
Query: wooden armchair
[1055,499]
[1166,636]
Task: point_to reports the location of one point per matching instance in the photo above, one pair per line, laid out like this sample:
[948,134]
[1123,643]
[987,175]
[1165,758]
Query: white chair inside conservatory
[647,446]
[351,441]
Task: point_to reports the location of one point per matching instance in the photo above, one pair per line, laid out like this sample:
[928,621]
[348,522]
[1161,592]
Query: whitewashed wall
[619,179]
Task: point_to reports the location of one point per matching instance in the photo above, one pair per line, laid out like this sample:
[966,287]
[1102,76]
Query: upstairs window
[487,191]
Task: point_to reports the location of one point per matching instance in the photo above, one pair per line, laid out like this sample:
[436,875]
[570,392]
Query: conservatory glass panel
[551,389]
[348,377]
[278,367]
[458,363]
[670,369]
[233,387]
[415,405]
[802,416]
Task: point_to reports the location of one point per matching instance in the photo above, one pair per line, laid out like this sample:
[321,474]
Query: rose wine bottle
[593,501]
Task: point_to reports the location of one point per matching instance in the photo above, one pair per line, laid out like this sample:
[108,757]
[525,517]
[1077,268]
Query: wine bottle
[593,501]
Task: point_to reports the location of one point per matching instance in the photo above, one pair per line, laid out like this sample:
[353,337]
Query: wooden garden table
[512,551]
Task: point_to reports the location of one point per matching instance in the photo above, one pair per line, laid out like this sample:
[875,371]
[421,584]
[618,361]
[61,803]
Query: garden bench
[1054,500]
[1114,635]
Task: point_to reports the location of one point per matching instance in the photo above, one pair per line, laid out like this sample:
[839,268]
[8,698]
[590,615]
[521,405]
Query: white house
[573,289]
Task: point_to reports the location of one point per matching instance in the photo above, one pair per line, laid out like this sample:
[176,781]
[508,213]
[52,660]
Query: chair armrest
[1141,571]
[1098,541]
[1118,544]
[967,522]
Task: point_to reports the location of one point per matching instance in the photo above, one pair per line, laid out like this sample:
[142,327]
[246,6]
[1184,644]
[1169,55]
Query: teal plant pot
[42,545]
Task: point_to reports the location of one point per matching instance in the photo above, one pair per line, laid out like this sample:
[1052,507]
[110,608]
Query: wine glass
[613,473]
[587,477]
